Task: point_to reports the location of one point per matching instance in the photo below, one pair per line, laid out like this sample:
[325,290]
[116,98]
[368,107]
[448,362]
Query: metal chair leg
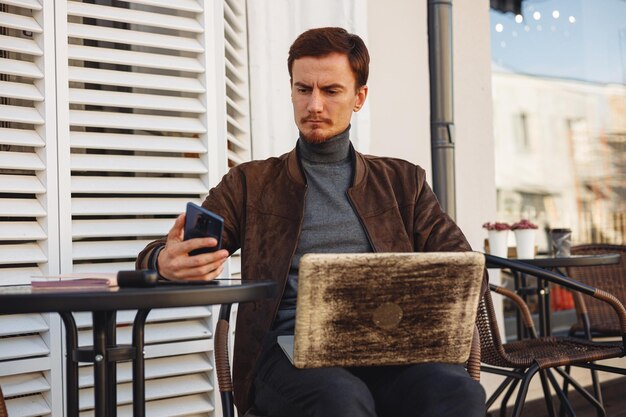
[599,407]
[498,391]
[547,394]
[523,390]
[505,399]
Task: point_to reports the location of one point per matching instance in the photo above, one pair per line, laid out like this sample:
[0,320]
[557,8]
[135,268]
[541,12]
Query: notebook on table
[385,308]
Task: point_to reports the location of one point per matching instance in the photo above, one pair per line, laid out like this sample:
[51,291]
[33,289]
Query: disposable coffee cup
[561,242]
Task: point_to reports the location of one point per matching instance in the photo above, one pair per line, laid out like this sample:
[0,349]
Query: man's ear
[361,95]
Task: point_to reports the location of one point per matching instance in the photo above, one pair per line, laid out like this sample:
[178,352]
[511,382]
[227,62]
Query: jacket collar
[295,171]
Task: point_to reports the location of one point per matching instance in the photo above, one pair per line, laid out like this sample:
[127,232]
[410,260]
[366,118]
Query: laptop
[385,309]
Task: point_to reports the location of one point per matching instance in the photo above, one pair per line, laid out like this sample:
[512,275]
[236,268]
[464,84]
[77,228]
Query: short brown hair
[324,41]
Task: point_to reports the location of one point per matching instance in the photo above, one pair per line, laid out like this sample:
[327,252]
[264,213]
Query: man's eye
[332,92]
[302,90]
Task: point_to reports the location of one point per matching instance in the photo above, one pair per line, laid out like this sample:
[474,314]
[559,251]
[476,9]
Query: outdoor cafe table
[542,289]
[104,304]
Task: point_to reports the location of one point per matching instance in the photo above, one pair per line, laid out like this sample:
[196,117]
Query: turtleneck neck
[332,150]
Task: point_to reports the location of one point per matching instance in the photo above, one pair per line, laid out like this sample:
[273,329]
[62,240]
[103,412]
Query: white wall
[272,27]
[399,99]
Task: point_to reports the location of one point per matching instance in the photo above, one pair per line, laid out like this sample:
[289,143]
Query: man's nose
[315,104]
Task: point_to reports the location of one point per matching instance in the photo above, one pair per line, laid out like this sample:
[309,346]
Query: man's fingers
[176,233]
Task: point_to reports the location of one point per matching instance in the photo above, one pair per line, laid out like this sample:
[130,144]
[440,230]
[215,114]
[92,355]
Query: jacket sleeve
[434,230]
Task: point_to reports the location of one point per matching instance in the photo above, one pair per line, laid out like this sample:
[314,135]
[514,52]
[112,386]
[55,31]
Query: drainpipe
[441,102]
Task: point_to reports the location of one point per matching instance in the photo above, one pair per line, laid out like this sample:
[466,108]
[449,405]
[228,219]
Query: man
[321,197]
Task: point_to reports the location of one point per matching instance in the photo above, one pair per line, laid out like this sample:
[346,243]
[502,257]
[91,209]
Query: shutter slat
[132,58]
[191,346]
[133,37]
[107,249]
[23,184]
[239,61]
[24,384]
[17,276]
[189,405]
[155,390]
[231,36]
[19,22]
[158,332]
[21,231]
[125,163]
[127,206]
[120,227]
[231,17]
[20,114]
[20,91]
[20,45]
[21,254]
[22,347]
[104,267]
[26,4]
[138,185]
[20,137]
[135,100]
[83,319]
[32,405]
[235,6]
[237,142]
[235,89]
[235,107]
[135,80]
[155,368]
[233,71]
[21,207]
[184,5]
[22,323]
[235,158]
[136,17]
[21,160]
[234,123]
[135,121]
[21,68]
[96,140]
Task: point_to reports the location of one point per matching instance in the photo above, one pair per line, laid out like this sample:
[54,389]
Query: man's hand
[176,264]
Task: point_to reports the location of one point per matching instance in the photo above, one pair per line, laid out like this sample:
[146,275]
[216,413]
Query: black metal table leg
[101,324]
[71,366]
[139,393]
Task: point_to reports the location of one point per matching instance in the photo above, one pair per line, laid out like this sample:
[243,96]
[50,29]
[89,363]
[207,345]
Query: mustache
[314,119]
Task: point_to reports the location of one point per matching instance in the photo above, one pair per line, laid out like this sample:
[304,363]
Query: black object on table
[542,289]
[104,303]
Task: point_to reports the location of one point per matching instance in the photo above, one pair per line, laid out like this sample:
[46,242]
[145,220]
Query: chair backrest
[610,278]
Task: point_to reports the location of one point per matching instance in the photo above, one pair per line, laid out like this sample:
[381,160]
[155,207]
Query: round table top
[573,260]
[26,299]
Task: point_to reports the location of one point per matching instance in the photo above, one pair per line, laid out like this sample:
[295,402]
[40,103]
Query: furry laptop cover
[385,308]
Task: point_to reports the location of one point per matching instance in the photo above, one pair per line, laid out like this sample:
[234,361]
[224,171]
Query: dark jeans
[424,390]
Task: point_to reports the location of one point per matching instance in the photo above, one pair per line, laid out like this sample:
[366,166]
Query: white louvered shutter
[30,359]
[237,94]
[138,140]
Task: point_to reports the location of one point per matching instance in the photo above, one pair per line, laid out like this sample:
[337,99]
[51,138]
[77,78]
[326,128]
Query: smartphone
[200,222]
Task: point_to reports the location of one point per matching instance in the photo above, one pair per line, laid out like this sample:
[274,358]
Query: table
[103,304]
[542,290]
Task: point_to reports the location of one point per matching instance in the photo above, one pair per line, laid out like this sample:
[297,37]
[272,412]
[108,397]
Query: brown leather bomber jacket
[262,203]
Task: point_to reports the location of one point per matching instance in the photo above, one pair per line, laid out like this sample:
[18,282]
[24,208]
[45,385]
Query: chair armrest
[563,281]
[473,362]
[527,318]
[222,362]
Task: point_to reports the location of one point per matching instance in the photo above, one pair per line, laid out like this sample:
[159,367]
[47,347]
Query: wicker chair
[222,363]
[3,408]
[525,358]
[596,319]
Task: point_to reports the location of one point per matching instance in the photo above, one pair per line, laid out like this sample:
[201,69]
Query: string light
[556,14]
[536,15]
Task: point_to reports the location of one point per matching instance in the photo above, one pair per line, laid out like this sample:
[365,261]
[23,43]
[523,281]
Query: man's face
[324,95]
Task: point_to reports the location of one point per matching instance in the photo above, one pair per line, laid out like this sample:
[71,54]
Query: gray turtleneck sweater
[330,224]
